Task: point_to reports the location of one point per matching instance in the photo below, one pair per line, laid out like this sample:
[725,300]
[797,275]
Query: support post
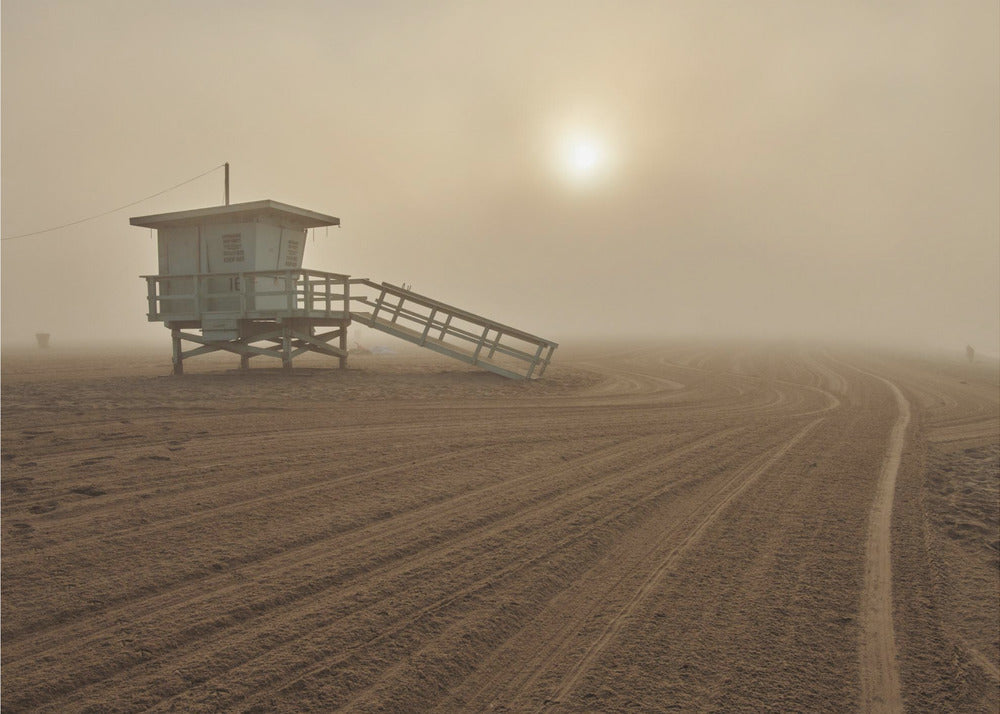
[444,327]
[343,344]
[479,347]
[286,346]
[496,343]
[378,304]
[548,358]
[535,359]
[244,362]
[178,355]
[399,308]
[427,327]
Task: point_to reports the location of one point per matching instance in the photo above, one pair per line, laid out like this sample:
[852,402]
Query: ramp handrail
[432,323]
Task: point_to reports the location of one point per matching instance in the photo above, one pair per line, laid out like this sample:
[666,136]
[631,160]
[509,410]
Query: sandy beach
[671,526]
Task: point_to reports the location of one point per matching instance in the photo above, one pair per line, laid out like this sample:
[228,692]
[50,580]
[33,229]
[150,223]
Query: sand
[657,527]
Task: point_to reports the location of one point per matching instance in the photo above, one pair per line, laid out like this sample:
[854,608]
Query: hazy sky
[657,168]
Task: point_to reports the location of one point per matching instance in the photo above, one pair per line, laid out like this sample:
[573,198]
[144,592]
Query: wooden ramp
[450,331]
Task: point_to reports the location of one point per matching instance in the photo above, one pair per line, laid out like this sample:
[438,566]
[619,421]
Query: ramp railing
[451,331]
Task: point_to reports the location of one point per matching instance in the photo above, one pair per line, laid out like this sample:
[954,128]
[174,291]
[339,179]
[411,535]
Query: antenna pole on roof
[227,183]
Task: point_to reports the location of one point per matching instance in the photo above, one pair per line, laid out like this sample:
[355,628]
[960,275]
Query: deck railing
[248,295]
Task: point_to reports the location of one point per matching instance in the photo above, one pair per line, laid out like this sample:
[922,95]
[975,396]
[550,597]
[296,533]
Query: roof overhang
[253,212]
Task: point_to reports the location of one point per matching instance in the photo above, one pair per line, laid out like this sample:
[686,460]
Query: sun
[582,158]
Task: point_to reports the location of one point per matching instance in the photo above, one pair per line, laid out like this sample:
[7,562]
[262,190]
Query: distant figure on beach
[970,352]
[42,339]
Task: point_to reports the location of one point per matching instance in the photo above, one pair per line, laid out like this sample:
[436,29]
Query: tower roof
[255,211]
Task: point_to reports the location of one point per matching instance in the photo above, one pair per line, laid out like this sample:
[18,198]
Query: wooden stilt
[343,346]
[178,355]
[286,346]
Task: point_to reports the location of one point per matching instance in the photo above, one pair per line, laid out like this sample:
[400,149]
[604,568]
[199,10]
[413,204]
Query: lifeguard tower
[231,278]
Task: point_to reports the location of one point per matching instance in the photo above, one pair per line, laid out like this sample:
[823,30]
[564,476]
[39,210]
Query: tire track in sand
[188,599]
[880,689]
[492,577]
[735,488]
[504,688]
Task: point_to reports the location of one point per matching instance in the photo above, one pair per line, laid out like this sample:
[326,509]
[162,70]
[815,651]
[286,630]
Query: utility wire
[114,210]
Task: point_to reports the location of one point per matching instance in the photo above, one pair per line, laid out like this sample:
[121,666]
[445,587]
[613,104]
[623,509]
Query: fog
[662,169]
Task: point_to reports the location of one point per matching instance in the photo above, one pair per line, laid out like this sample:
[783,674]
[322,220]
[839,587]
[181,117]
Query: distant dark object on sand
[42,338]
